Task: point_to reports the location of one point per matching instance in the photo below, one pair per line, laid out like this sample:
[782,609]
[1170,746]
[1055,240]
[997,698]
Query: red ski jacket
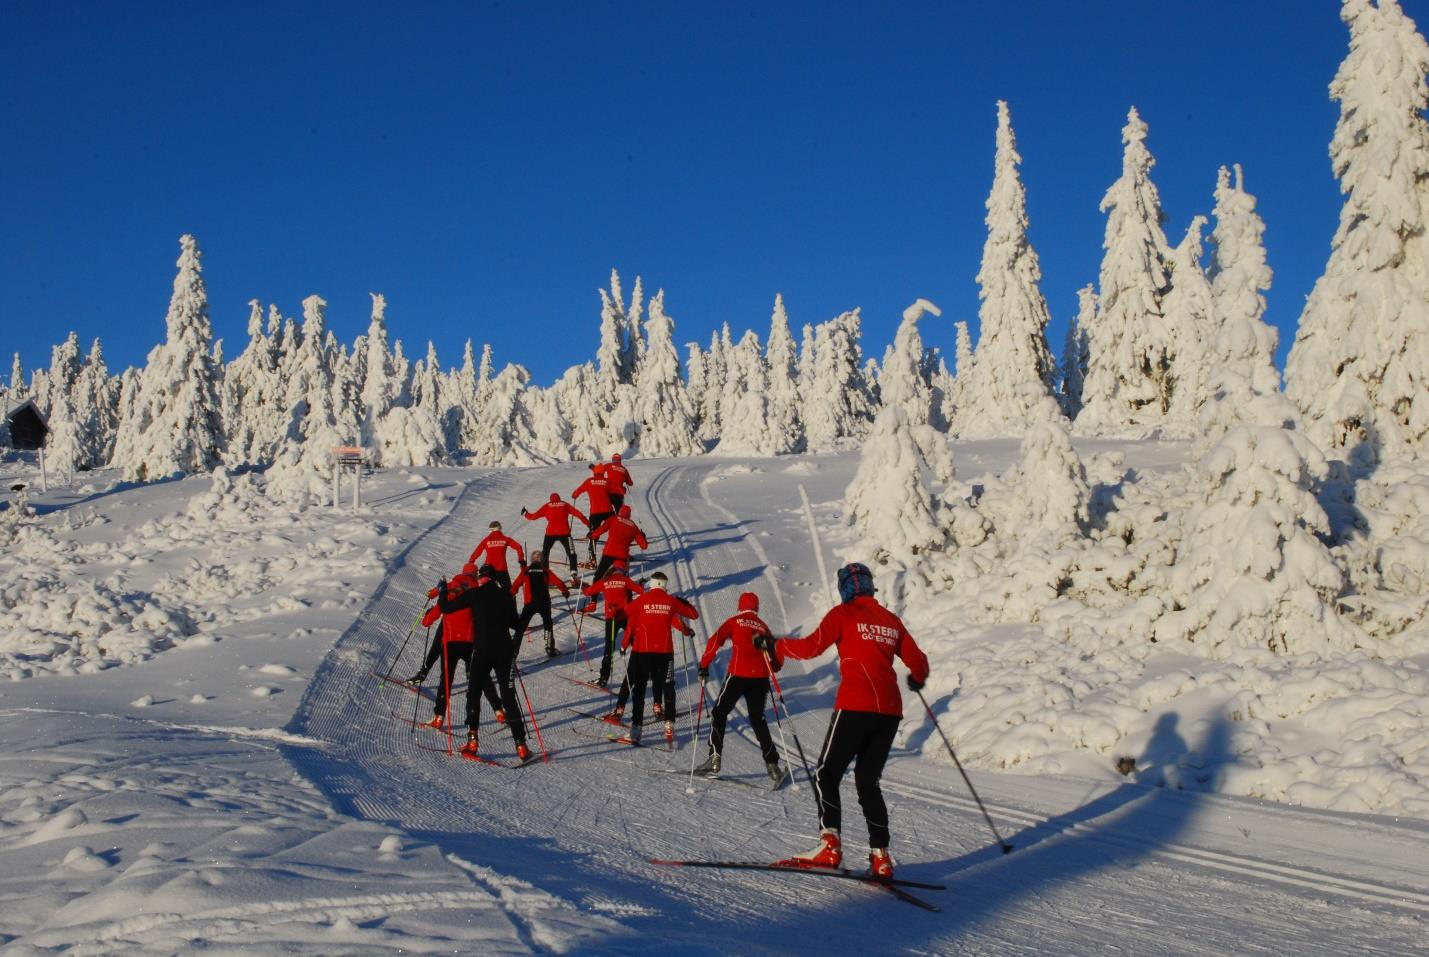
[491,550]
[597,491]
[558,517]
[523,585]
[745,660]
[619,532]
[457,626]
[617,588]
[869,637]
[652,619]
[617,478]
[459,583]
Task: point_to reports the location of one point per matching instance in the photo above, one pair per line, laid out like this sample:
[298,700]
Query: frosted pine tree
[18,391]
[64,446]
[1050,481]
[782,362]
[1074,352]
[96,402]
[904,383]
[1359,368]
[303,463]
[845,407]
[696,380]
[254,412]
[806,360]
[64,370]
[1191,327]
[1127,389]
[503,434]
[573,394]
[174,425]
[1014,365]
[613,354]
[378,380]
[716,371]
[667,421]
[1240,277]
[634,333]
[748,430]
[887,501]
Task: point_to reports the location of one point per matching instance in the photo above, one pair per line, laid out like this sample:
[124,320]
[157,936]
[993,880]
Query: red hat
[749,601]
[625,511]
[615,457]
[555,496]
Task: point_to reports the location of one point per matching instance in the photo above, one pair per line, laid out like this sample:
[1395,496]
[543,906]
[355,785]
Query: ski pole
[784,742]
[535,726]
[418,697]
[779,693]
[577,620]
[695,746]
[448,666]
[1006,847]
[385,670]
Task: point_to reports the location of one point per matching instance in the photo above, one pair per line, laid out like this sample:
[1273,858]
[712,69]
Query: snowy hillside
[242,783]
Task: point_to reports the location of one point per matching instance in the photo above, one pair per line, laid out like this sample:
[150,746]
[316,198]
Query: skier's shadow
[1114,832]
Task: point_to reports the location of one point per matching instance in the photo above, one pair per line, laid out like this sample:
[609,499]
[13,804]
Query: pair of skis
[895,886]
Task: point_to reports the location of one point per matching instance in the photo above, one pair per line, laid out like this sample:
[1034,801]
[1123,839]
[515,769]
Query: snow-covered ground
[228,776]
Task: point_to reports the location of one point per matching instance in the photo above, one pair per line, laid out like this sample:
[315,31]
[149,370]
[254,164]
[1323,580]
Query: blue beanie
[855,579]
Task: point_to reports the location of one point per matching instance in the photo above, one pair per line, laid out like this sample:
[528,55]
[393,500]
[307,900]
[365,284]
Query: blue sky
[486,165]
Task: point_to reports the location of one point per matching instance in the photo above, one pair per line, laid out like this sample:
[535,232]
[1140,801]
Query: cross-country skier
[489,614]
[652,620]
[619,531]
[597,492]
[558,515]
[617,480]
[534,585]
[867,710]
[491,551]
[747,677]
[615,589]
[467,578]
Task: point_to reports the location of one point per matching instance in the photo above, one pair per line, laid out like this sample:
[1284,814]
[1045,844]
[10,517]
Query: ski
[711,777]
[622,723]
[840,872]
[419,724]
[657,743]
[590,684]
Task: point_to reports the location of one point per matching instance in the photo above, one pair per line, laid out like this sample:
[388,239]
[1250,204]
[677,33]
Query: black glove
[441,587]
[764,643]
[704,674]
[523,510]
[914,684]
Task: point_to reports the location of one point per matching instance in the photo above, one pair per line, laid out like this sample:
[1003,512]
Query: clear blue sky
[486,165]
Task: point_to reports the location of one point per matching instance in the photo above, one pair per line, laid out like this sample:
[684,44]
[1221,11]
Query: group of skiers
[478,625]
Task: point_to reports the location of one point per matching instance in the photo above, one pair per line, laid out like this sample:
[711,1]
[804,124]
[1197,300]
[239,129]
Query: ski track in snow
[561,846]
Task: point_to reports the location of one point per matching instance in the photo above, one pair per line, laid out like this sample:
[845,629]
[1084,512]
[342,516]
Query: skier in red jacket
[653,618]
[534,585]
[747,677]
[596,489]
[618,481]
[867,710]
[490,613]
[616,589]
[558,515]
[491,550]
[619,531]
[467,578]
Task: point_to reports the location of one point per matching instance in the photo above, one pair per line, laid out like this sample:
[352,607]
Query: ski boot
[500,716]
[523,753]
[670,731]
[711,766]
[829,853]
[659,711]
[551,651]
[603,681]
[468,750]
[436,722]
[416,680]
[776,774]
[880,864]
[614,717]
[635,735]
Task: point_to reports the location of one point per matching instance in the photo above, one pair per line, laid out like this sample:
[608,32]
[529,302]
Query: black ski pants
[614,624]
[754,691]
[549,542]
[528,614]
[863,738]
[607,562]
[451,653]
[595,520]
[493,670]
[448,671]
[657,669]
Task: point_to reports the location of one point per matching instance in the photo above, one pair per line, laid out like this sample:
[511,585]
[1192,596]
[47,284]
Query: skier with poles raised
[617,480]
[487,613]
[616,590]
[620,531]
[747,677]
[596,489]
[867,711]
[490,552]
[534,585]
[652,620]
[558,515]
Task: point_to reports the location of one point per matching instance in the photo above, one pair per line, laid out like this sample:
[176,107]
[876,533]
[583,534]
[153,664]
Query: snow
[252,792]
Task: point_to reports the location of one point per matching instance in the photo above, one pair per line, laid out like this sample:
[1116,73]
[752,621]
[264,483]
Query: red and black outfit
[653,619]
[488,612]
[618,481]
[491,551]
[616,589]
[597,492]
[867,708]
[747,676]
[619,532]
[558,515]
[534,585]
[438,647]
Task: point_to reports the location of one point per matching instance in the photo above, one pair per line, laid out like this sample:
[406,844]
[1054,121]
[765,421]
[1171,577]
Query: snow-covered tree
[96,405]
[696,380]
[588,436]
[667,421]
[1074,352]
[304,463]
[782,362]
[1014,364]
[1359,368]
[64,446]
[64,370]
[254,413]
[748,429]
[1127,389]
[613,356]
[634,334]
[964,362]
[174,425]
[887,501]
[1191,327]
[18,390]
[845,406]
[378,380]
[1239,278]
[902,381]
[1050,481]
[503,433]
[716,372]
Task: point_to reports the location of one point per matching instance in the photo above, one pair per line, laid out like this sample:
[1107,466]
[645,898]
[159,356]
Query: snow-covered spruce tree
[588,438]
[378,379]
[1127,388]
[887,500]
[844,407]
[696,380]
[1012,350]
[1359,368]
[96,402]
[903,381]
[782,361]
[64,446]
[716,371]
[18,390]
[964,362]
[748,429]
[1074,352]
[1191,326]
[174,425]
[64,371]
[613,354]
[303,463]
[412,435]
[1050,480]
[401,375]
[1240,277]
[806,360]
[254,414]
[634,334]
[1251,571]
[504,435]
[550,432]
[667,422]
